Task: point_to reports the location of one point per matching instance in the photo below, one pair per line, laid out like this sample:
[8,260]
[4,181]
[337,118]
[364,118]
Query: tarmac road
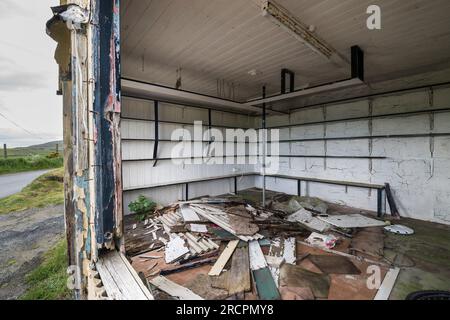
[15,182]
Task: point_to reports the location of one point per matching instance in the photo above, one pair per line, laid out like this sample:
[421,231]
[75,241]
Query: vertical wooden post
[89,61]
[5,151]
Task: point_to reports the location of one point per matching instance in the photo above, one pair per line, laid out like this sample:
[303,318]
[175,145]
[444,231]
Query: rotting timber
[87,33]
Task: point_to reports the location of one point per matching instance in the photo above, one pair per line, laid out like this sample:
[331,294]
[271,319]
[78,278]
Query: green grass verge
[44,191]
[49,280]
[36,162]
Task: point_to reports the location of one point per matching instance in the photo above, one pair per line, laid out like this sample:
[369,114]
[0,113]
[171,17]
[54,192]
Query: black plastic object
[429,295]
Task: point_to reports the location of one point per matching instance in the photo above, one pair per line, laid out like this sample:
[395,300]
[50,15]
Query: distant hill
[40,149]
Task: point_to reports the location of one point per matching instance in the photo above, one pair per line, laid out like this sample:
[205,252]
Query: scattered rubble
[229,248]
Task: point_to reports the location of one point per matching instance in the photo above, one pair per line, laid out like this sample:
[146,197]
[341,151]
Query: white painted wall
[418,169]
[141,174]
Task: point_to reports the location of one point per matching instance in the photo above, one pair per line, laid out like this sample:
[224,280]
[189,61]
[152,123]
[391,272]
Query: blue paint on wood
[107,98]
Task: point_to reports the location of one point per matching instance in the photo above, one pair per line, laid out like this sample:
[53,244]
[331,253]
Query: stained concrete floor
[423,258]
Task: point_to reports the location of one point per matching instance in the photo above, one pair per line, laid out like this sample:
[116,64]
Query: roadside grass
[31,163]
[49,280]
[45,191]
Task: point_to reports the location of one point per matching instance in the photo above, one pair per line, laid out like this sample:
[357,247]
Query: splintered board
[388,284]
[265,284]
[224,257]
[120,280]
[239,280]
[190,215]
[267,290]
[281,251]
[173,289]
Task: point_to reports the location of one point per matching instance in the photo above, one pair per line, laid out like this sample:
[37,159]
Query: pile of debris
[229,248]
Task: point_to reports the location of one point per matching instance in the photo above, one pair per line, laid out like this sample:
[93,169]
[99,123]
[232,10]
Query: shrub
[142,207]
[35,162]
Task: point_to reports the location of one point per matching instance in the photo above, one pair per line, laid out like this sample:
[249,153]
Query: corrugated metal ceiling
[217,42]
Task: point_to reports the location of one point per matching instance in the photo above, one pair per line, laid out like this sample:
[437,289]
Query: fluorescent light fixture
[303,33]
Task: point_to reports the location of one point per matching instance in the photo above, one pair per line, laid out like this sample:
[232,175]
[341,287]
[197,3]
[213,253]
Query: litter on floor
[293,248]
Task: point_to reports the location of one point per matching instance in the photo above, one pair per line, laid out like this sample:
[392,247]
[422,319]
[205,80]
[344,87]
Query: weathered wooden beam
[88,57]
[107,108]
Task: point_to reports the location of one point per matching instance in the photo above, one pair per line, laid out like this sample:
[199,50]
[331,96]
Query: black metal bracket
[291,74]
[210,126]
[155,146]
[380,203]
[391,201]
[357,56]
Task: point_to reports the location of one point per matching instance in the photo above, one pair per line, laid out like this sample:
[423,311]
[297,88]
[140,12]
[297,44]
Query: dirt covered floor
[295,248]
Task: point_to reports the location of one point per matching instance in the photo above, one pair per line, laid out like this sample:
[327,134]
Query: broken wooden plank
[265,284]
[284,250]
[276,251]
[220,282]
[223,259]
[257,260]
[189,265]
[136,277]
[267,290]
[224,225]
[173,289]
[149,257]
[289,250]
[239,277]
[352,221]
[190,215]
[387,285]
[120,280]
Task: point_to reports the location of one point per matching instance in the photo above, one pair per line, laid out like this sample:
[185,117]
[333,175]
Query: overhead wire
[20,127]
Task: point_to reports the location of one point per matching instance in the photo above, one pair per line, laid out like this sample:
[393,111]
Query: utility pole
[5,151]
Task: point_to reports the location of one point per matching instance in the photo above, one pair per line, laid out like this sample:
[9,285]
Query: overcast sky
[28,75]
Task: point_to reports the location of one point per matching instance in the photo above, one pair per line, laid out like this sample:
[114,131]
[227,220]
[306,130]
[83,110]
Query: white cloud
[28,73]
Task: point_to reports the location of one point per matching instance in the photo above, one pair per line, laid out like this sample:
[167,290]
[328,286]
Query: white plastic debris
[399,229]
[175,249]
[321,240]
